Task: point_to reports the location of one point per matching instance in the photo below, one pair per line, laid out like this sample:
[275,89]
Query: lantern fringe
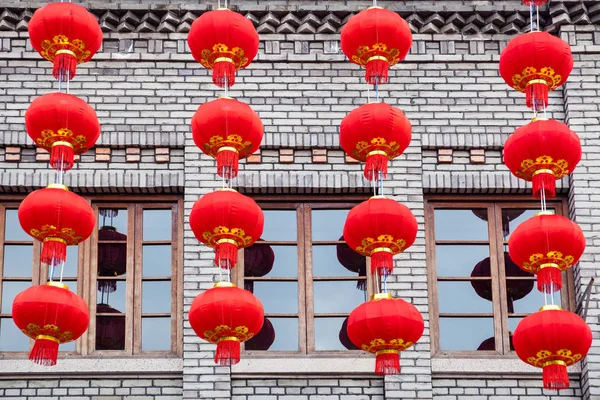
[549,280]
[377,72]
[53,252]
[361,284]
[226,255]
[227,164]
[382,261]
[224,74]
[44,352]
[387,364]
[555,377]
[228,352]
[535,2]
[62,63]
[376,163]
[62,157]
[537,96]
[546,182]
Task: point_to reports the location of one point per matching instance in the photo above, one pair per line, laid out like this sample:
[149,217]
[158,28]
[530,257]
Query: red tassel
[377,161]
[544,180]
[377,70]
[65,65]
[45,350]
[224,73]
[361,284]
[62,156]
[537,95]
[387,362]
[227,162]
[228,351]
[535,2]
[225,254]
[549,280]
[383,261]
[54,251]
[555,375]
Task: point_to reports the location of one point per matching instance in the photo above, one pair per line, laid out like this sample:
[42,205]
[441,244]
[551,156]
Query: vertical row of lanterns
[65,125]
[542,152]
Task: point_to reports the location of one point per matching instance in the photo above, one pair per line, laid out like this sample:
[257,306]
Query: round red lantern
[385,326]
[112,257]
[226,315]
[224,41]
[535,63]
[228,130]
[58,218]
[110,329]
[263,339]
[380,228]
[65,34]
[376,39]
[226,221]
[258,261]
[552,339]
[546,245]
[353,262]
[375,133]
[542,152]
[51,315]
[62,124]
[536,3]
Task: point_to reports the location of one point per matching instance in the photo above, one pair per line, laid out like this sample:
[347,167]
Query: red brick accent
[255,158]
[477,156]
[103,154]
[445,156]
[162,155]
[132,154]
[13,154]
[286,156]
[319,156]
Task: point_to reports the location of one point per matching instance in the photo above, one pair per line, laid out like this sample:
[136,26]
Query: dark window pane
[286,334]
[18,261]
[156,334]
[280,225]
[112,293]
[278,297]
[13,230]
[70,267]
[112,252]
[533,301]
[157,224]
[156,260]
[461,260]
[156,297]
[460,297]
[337,296]
[279,261]
[328,224]
[113,218]
[461,224]
[9,291]
[512,217]
[110,329]
[465,333]
[327,334]
[338,260]
[11,337]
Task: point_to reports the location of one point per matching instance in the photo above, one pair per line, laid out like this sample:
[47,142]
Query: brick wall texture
[145,87]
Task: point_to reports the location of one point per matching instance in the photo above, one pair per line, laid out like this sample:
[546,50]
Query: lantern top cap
[57,186]
[225,97]
[550,307]
[58,285]
[227,190]
[544,213]
[224,284]
[379,196]
[381,296]
[375,7]
[535,119]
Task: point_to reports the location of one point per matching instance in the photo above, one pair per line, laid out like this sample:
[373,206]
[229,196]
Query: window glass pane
[272,261]
[156,260]
[338,260]
[70,268]
[278,297]
[462,260]
[18,261]
[465,333]
[156,297]
[72,285]
[112,251]
[110,329]
[337,296]
[461,224]
[280,225]
[11,337]
[264,339]
[9,291]
[13,230]
[286,334]
[532,301]
[461,297]
[512,217]
[156,334]
[67,347]
[157,224]
[329,335]
[111,293]
[114,218]
[328,224]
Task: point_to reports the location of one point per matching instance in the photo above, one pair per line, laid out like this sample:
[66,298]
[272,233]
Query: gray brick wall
[306,389]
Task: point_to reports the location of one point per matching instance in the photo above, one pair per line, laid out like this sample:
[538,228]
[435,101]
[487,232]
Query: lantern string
[68,80]
[380,183]
[385,275]
[62,270]
[537,11]
[531,16]
[377,92]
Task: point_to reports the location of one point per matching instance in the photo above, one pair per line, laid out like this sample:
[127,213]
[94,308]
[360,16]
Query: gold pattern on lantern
[67,234]
[543,356]
[240,332]
[363,148]
[244,148]
[377,51]
[34,330]
[368,245]
[238,235]
[380,344]
[547,74]
[560,168]
[555,257]
[48,137]
[62,42]
[220,50]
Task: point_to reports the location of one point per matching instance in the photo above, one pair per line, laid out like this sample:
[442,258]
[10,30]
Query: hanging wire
[377,92]
[68,80]
[385,275]
[537,11]
[380,183]
[531,16]
[62,270]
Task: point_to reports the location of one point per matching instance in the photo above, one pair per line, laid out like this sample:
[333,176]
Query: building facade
[145,87]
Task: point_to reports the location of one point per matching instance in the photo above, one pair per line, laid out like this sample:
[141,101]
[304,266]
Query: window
[477,294]
[303,242]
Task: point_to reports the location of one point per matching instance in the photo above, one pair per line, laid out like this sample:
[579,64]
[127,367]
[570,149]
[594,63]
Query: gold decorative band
[224,284]
[379,196]
[536,119]
[62,143]
[531,82]
[225,97]
[387,351]
[230,241]
[227,148]
[385,249]
[543,171]
[554,362]
[54,239]
[65,51]
[231,338]
[381,296]
[57,186]
[376,153]
[544,213]
[381,58]
[224,59]
[58,285]
[226,190]
[548,265]
[47,337]
[549,307]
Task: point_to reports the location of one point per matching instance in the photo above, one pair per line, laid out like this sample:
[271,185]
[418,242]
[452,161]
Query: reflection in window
[464,333]
[263,339]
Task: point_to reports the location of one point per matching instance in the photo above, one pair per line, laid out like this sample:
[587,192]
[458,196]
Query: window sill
[305,366]
[486,366]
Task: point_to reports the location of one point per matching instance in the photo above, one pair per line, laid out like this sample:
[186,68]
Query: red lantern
[263,339]
[112,257]
[258,261]
[353,262]
[227,129]
[64,125]
[57,218]
[542,152]
[546,245]
[385,326]
[65,34]
[375,133]
[226,315]
[552,339]
[226,221]
[376,39]
[110,329]
[224,41]
[51,315]
[535,63]
[380,228]
[536,3]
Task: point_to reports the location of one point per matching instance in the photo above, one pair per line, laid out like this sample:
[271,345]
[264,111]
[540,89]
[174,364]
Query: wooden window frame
[494,206]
